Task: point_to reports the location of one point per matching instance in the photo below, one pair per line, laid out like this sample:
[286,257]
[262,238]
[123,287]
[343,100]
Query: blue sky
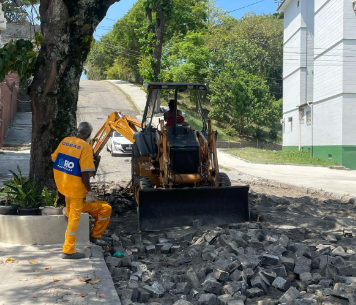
[119,9]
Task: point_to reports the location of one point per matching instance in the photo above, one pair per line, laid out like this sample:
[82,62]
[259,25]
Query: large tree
[67,28]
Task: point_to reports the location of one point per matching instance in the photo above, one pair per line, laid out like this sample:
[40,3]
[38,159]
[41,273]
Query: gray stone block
[280,271]
[194,280]
[207,299]
[156,290]
[291,295]
[220,275]
[212,287]
[287,262]
[230,268]
[224,299]
[231,288]
[175,248]
[305,277]
[166,248]
[306,302]
[283,241]
[236,275]
[236,302]
[151,249]
[281,284]
[247,274]
[338,251]
[182,302]
[254,293]
[183,288]
[209,256]
[269,274]
[113,261]
[143,295]
[257,282]
[269,260]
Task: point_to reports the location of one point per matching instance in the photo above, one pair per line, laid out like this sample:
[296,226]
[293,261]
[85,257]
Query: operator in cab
[169,115]
[73,161]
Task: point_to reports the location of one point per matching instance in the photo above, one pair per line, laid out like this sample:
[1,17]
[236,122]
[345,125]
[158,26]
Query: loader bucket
[164,208]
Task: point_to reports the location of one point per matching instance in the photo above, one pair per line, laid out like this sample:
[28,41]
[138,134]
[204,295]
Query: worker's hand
[89,197]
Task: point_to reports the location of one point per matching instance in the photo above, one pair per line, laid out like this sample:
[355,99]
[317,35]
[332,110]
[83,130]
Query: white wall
[291,129]
[291,91]
[328,117]
[349,119]
[292,19]
[329,26]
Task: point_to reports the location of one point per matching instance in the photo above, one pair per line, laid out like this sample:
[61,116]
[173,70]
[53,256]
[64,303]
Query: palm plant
[22,191]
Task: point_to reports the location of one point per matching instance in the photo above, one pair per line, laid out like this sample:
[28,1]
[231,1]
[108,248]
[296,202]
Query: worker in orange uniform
[73,161]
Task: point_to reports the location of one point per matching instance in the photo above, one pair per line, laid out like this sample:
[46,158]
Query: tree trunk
[67,28]
[161,24]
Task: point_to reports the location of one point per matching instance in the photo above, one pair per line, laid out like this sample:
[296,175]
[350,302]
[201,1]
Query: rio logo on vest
[65,164]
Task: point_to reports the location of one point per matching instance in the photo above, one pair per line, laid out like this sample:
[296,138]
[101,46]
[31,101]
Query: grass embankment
[282,157]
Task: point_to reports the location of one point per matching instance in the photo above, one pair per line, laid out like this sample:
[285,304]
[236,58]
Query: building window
[309,118]
[301,115]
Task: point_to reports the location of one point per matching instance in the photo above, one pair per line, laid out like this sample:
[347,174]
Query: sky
[241,7]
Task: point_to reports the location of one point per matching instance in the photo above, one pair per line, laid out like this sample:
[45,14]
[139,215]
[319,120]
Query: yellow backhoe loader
[175,172]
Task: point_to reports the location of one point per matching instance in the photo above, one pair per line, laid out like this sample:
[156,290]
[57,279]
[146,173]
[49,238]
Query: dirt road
[96,101]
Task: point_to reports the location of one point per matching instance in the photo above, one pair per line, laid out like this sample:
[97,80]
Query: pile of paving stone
[233,265]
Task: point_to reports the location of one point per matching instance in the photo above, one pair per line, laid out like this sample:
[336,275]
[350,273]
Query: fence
[9,90]
[243,144]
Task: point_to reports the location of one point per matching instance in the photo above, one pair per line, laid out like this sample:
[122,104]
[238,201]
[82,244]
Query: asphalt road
[97,99]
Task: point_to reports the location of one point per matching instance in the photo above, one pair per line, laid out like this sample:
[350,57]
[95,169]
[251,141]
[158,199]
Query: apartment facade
[319,86]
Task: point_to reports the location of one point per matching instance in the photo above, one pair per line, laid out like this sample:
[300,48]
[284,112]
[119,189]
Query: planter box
[41,230]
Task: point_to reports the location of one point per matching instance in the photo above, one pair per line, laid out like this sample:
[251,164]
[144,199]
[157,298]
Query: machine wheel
[140,183]
[224,178]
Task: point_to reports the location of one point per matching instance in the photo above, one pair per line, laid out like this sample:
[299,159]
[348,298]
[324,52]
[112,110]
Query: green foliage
[283,156]
[240,60]
[187,59]
[49,198]
[18,56]
[241,101]
[22,191]
[15,14]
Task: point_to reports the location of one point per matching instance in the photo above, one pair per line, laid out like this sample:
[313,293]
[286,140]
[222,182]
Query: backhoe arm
[123,124]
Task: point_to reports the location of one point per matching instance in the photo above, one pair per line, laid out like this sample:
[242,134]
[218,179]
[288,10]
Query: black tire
[224,179]
[140,183]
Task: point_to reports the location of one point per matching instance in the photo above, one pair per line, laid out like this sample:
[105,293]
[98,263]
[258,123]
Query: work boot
[76,255]
[98,241]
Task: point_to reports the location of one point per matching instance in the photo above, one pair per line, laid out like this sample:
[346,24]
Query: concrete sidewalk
[19,132]
[39,276]
[340,182]
[136,94]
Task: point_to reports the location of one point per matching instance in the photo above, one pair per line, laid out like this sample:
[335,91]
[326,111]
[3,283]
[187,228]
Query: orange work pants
[74,207]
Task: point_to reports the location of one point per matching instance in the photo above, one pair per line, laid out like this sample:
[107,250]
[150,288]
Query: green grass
[283,156]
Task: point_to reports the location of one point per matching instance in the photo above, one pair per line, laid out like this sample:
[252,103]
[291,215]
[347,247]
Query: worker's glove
[89,197]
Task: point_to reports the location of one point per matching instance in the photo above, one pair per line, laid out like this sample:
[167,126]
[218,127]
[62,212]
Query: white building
[319,86]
